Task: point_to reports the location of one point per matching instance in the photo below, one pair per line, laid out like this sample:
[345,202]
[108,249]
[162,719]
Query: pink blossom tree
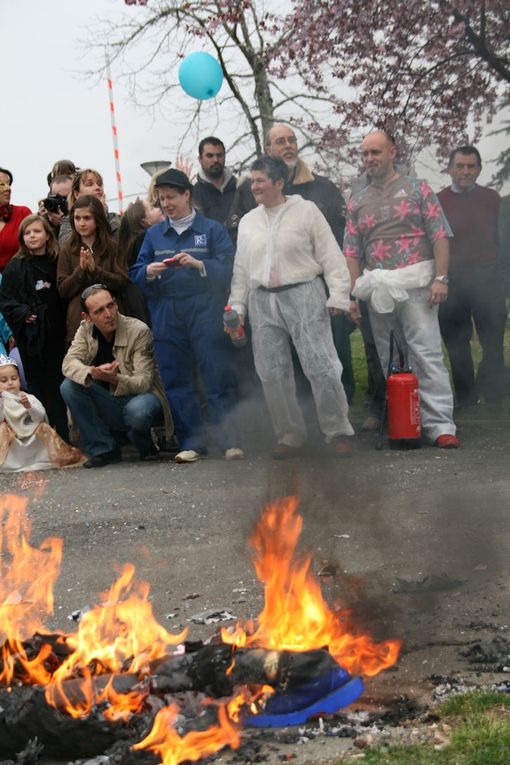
[430,72]
[433,73]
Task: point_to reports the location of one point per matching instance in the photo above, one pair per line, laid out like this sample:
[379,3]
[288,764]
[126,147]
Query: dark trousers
[342,327]
[43,381]
[475,296]
[194,339]
[376,387]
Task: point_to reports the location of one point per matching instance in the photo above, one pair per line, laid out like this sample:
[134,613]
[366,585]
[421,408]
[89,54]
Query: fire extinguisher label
[414,402]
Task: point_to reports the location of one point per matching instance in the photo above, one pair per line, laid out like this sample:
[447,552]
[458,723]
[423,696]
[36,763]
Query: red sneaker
[342,446]
[447,442]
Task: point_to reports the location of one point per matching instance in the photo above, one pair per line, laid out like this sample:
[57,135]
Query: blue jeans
[97,413]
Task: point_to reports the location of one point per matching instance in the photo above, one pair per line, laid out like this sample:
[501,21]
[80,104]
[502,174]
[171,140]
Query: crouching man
[112,383]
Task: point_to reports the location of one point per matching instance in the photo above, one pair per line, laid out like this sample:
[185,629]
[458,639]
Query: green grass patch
[359,366]
[480,735]
[473,702]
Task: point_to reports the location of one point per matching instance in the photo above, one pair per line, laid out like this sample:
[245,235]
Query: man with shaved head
[397,250]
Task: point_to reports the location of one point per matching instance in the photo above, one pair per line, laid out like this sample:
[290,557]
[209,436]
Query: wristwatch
[443,279]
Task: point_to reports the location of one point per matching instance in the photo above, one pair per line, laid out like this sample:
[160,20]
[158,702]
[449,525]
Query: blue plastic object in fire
[325,694]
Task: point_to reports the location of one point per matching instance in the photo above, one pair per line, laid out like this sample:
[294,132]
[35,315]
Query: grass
[479,735]
[359,364]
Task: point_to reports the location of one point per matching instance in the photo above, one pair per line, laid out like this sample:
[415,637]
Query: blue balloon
[200,75]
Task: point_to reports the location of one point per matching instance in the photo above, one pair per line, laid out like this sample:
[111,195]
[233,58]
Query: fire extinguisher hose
[403,364]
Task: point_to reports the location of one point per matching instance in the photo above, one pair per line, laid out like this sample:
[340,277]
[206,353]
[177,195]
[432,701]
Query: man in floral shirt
[397,232]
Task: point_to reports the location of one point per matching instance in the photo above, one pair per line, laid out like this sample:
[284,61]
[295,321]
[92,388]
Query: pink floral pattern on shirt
[381,251]
[394,226]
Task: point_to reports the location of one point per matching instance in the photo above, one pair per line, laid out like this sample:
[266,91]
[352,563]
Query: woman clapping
[88,257]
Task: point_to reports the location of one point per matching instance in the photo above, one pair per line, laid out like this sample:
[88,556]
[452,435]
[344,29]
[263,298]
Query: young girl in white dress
[27,442]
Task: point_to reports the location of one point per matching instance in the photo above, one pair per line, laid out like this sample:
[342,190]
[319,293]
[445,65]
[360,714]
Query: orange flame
[172,749]
[121,705]
[250,698]
[119,635]
[27,576]
[295,615]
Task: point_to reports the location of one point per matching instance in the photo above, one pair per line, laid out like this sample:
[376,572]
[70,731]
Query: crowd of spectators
[112,326]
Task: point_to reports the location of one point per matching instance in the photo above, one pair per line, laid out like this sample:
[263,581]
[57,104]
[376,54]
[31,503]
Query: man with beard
[281,142]
[215,188]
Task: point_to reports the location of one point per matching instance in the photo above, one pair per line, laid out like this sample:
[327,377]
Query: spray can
[234,327]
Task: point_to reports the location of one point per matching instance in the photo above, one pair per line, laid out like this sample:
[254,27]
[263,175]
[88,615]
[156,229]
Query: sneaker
[284,451]
[152,456]
[342,446]
[188,455]
[234,454]
[447,441]
[106,458]
[371,424]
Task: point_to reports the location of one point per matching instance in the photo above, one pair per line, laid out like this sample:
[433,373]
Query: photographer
[54,207]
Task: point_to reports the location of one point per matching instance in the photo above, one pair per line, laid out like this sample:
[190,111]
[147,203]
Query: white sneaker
[188,455]
[234,454]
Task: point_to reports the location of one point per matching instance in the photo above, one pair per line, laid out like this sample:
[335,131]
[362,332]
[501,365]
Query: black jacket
[19,299]
[212,202]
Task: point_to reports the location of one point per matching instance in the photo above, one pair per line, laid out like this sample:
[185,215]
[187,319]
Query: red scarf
[5,212]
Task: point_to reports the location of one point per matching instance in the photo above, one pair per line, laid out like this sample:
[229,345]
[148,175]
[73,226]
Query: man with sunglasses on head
[112,384]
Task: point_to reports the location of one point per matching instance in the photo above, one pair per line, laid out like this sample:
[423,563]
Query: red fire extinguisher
[402,403]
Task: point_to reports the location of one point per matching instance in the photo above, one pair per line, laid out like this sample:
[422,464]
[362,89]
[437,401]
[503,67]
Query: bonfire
[120,676]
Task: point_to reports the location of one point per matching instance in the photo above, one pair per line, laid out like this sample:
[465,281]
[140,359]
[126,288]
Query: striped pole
[115,135]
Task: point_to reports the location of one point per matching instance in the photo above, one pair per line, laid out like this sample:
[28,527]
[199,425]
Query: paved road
[379,517]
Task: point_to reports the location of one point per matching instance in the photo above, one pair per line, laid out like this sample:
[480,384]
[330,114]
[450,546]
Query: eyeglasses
[4,185]
[88,291]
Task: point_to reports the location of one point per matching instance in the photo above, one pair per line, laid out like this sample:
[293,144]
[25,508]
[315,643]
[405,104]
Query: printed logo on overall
[200,240]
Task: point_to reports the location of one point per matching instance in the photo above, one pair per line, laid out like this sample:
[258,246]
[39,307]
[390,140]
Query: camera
[54,201]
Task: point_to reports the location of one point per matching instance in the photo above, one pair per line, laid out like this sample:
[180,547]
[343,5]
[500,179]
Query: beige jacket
[133,349]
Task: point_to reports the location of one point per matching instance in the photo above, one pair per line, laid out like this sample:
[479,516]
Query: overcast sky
[51,110]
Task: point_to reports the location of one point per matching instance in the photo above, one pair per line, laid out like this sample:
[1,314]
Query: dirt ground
[382,520]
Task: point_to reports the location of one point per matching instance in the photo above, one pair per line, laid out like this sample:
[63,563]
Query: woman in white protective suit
[285,252]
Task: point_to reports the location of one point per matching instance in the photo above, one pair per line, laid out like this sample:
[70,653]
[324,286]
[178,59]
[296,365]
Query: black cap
[172,177]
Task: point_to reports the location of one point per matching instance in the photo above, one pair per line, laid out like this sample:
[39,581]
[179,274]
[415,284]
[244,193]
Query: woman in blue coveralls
[184,269]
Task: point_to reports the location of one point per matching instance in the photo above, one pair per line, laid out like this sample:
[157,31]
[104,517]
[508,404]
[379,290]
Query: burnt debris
[214,670]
